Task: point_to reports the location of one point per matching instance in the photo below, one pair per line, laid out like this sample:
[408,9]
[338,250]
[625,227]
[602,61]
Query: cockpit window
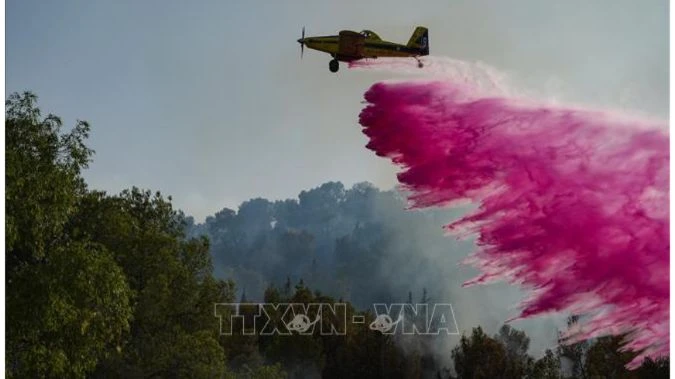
[369,34]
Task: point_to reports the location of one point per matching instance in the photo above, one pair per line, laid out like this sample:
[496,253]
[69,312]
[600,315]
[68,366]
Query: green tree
[174,331]
[274,371]
[546,367]
[604,360]
[574,355]
[99,285]
[42,177]
[67,299]
[656,369]
[480,356]
[516,344]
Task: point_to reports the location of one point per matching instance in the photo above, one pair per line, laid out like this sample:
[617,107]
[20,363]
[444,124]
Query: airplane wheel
[420,65]
[333,65]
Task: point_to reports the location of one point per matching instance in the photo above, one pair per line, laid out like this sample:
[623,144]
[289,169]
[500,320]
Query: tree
[516,344]
[656,369]
[42,178]
[174,331]
[68,301]
[546,367]
[574,355]
[480,356]
[605,360]
[274,371]
[99,285]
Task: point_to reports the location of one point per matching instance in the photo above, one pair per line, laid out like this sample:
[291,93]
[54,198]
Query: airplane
[350,46]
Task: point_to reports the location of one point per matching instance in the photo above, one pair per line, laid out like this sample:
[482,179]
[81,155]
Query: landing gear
[419,63]
[334,65]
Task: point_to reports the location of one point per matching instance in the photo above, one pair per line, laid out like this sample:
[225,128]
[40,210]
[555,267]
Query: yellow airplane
[350,46]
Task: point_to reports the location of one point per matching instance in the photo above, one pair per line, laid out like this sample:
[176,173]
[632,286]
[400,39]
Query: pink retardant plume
[573,204]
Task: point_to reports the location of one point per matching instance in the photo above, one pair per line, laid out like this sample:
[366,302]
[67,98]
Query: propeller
[302,43]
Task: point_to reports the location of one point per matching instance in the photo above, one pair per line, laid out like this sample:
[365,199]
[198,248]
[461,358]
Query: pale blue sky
[208,101]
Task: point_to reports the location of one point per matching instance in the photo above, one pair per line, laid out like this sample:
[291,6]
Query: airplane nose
[301,41]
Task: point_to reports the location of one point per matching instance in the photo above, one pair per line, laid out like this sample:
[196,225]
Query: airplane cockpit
[370,34]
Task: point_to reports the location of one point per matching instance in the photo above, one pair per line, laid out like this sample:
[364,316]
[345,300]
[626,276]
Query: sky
[209,101]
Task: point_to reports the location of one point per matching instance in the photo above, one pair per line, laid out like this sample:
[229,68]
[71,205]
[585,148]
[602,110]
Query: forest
[124,285]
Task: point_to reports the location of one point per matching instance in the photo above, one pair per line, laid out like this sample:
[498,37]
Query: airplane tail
[420,40]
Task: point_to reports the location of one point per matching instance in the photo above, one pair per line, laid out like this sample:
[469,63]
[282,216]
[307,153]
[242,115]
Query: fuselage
[350,46]
[372,48]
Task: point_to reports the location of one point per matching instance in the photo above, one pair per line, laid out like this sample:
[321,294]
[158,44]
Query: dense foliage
[98,285]
[124,285]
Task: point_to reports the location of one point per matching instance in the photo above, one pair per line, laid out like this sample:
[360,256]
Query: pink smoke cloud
[573,203]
